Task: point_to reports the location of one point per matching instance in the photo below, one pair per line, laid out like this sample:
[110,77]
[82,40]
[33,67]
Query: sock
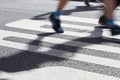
[110,22]
[57,14]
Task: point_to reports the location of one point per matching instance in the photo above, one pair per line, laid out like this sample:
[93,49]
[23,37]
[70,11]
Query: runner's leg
[54,17]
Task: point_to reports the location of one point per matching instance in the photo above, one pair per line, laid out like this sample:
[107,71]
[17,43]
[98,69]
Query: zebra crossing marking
[56,73]
[26,24]
[83,19]
[75,19]
[60,53]
[36,25]
[61,41]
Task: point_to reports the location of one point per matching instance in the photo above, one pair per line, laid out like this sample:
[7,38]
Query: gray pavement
[15,59]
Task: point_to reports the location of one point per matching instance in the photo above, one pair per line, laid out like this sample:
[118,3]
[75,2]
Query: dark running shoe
[56,24]
[115,29]
[103,20]
[87,3]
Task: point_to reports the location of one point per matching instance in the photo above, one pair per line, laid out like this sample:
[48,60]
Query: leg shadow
[27,60]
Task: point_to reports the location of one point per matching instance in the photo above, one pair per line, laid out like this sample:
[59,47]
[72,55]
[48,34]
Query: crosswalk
[89,33]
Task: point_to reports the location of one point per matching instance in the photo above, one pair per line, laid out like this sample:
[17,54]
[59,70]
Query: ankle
[57,13]
[110,22]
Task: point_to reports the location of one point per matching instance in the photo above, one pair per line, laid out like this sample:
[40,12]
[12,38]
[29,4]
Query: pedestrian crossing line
[31,26]
[83,19]
[62,54]
[79,19]
[99,47]
[36,25]
[89,28]
[31,23]
[57,73]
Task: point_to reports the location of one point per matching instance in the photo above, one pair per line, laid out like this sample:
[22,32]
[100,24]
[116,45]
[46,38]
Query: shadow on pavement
[3,79]
[42,16]
[68,12]
[25,60]
[82,9]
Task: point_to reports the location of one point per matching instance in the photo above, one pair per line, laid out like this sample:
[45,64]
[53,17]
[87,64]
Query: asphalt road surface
[31,50]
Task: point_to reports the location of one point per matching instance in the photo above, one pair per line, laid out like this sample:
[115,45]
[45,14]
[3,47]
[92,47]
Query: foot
[87,3]
[103,21]
[115,29]
[56,24]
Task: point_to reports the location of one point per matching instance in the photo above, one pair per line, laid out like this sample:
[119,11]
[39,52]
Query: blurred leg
[87,2]
[60,7]
[54,17]
[109,8]
[108,17]
[62,4]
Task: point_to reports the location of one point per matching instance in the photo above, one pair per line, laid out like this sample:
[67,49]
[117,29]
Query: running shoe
[56,24]
[103,20]
[115,29]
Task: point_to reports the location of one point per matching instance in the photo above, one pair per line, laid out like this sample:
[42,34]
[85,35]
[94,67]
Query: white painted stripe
[77,27]
[63,54]
[4,34]
[35,25]
[83,19]
[56,73]
[118,22]
[79,19]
